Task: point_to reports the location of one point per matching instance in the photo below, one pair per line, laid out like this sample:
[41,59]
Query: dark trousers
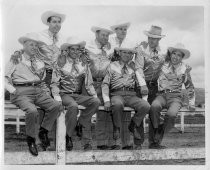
[125,98]
[71,101]
[27,100]
[153,90]
[172,101]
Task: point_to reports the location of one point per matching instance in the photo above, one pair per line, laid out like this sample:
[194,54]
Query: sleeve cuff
[106,99]
[140,79]
[10,88]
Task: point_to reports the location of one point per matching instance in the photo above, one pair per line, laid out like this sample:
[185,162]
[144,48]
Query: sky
[180,24]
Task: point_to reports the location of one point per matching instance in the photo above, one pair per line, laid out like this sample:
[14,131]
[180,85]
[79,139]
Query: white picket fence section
[62,157]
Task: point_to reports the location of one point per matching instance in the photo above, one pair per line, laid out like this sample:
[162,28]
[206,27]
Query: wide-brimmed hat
[48,14]
[30,37]
[95,28]
[180,47]
[127,24]
[154,32]
[73,41]
[126,47]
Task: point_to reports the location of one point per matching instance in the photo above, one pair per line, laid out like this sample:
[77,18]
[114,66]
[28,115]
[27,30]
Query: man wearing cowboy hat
[121,33]
[119,84]
[67,88]
[150,59]
[174,73]
[52,39]
[99,50]
[23,81]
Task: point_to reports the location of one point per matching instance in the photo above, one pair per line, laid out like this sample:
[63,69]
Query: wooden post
[182,121]
[17,122]
[61,140]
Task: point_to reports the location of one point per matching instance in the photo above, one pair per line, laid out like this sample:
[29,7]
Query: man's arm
[89,82]
[55,85]
[190,88]
[9,69]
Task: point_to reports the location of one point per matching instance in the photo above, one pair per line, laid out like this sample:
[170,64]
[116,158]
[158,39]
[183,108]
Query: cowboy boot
[32,145]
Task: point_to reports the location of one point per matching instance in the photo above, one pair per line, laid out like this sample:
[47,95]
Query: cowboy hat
[181,48]
[73,41]
[127,24]
[30,37]
[48,14]
[154,32]
[126,47]
[94,29]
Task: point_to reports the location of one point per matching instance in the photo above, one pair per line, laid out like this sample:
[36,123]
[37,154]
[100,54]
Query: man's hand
[191,108]
[16,57]
[144,90]
[107,106]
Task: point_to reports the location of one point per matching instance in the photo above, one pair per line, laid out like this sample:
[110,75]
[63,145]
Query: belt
[49,71]
[73,92]
[123,89]
[152,83]
[28,84]
[99,79]
[169,91]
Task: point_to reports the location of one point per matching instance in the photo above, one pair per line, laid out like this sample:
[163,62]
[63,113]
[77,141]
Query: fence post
[61,140]
[182,121]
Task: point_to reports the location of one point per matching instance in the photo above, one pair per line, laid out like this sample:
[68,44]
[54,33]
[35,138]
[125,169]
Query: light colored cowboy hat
[48,14]
[127,24]
[73,41]
[126,47]
[154,32]
[181,48]
[30,37]
[94,29]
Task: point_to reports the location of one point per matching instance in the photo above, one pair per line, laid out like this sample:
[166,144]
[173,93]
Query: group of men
[54,73]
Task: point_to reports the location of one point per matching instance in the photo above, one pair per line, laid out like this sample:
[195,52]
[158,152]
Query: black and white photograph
[105,83]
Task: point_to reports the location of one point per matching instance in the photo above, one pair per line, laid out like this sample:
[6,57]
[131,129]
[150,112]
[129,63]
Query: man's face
[153,42]
[102,37]
[30,47]
[126,56]
[74,51]
[176,57]
[121,32]
[55,24]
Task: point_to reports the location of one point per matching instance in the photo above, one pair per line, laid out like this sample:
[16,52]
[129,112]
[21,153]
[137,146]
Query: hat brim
[22,41]
[125,49]
[185,51]
[48,14]
[67,45]
[147,33]
[94,29]
[127,24]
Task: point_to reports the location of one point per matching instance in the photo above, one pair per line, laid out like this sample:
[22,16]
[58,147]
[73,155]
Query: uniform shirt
[173,78]
[23,72]
[99,58]
[116,79]
[70,79]
[151,62]
[53,44]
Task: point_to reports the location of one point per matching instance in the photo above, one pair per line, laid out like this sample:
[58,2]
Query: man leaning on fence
[67,88]
[174,73]
[118,89]
[23,81]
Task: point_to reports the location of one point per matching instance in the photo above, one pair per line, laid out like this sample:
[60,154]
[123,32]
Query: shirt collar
[70,60]
[27,57]
[150,49]
[50,34]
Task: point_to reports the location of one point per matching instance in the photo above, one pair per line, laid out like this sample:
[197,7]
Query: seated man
[67,87]
[23,81]
[173,75]
[119,84]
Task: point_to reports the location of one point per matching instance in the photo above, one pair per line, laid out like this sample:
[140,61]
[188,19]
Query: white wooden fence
[62,157]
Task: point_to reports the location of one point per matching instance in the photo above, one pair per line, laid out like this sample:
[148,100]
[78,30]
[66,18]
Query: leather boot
[32,146]
[133,129]
[69,143]
[43,136]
